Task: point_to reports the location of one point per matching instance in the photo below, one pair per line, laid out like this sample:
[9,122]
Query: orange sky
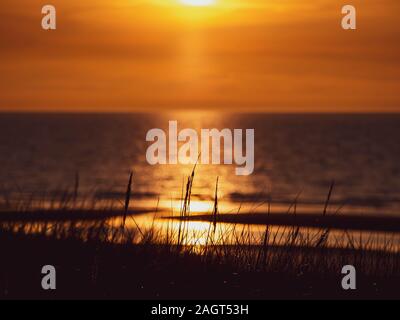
[260,55]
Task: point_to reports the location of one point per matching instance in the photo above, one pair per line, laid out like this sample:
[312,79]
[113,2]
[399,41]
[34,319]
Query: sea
[298,157]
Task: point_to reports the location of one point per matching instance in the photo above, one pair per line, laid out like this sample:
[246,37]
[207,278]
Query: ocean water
[295,155]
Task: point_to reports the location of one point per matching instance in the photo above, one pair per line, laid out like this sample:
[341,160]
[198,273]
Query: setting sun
[198,2]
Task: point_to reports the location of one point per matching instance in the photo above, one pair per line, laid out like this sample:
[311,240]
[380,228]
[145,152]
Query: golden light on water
[198,3]
[200,206]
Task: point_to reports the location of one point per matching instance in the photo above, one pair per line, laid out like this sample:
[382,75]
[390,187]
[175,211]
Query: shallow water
[199,234]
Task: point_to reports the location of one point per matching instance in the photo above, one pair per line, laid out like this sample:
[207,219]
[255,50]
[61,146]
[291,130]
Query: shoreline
[384,223]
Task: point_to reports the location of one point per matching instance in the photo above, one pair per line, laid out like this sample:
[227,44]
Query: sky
[156,55]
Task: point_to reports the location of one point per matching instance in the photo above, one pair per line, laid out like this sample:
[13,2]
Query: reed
[127,198]
[133,253]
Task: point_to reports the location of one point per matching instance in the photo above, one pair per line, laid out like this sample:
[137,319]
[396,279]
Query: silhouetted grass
[96,258]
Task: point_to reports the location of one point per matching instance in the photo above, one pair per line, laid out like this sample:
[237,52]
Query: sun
[198,3]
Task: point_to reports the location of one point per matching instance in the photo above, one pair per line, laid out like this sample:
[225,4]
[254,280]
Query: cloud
[287,55]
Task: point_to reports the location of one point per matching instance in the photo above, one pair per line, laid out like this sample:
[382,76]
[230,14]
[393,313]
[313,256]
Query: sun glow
[198,3]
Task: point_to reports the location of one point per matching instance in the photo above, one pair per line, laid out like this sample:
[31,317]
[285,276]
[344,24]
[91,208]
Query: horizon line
[194,111]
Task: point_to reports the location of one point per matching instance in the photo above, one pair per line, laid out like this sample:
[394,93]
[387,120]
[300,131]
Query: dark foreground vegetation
[95,262]
[104,258]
